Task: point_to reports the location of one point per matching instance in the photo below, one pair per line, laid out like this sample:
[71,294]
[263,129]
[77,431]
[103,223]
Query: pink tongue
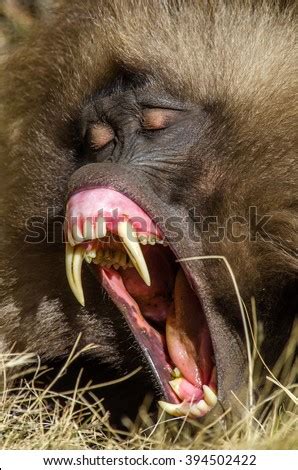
[187,335]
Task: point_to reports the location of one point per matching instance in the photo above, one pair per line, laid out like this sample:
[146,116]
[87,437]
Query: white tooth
[69,237]
[143,239]
[200,409]
[88,258]
[131,245]
[73,262]
[101,227]
[88,229]
[92,253]
[152,241]
[176,373]
[175,384]
[209,396]
[174,409]
[77,233]
[116,266]
[107,254]
[77,272]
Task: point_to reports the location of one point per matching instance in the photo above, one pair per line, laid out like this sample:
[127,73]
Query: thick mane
[237,57]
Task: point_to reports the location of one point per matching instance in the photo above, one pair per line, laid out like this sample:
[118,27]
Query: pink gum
[110,204]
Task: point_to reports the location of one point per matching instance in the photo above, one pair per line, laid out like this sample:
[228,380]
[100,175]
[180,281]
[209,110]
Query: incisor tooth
[131,245]
[88,230]
[101,227]
[73,263]
[209,396]
[200,409]
[77,234]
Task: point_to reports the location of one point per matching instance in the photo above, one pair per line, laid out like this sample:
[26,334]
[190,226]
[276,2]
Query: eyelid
[158,118]
[100,134]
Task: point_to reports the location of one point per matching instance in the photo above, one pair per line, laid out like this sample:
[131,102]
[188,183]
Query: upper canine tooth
[101,227]
[209,396]
[131,245]
[73,261]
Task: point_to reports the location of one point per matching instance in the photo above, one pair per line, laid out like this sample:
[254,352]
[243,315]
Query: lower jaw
[178,346]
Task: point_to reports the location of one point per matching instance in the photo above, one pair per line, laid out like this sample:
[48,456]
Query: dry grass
[28,422]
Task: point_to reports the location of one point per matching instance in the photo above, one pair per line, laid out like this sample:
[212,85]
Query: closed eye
[154,119]
[99,135]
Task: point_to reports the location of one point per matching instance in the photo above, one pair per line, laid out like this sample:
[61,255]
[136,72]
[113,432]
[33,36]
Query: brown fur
[238,59]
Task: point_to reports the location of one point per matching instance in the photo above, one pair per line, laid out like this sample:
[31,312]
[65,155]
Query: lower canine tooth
[209,396]
[73,261]
[174,409]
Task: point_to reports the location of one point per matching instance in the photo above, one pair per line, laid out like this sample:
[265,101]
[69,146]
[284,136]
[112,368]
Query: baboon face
[174,201]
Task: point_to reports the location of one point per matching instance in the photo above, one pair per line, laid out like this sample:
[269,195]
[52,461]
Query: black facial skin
[228,146]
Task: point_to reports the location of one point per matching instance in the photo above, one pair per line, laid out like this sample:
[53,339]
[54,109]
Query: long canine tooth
[73,261]
[209,396]
[174,409]
[77,272]
[131,245]
[101,227]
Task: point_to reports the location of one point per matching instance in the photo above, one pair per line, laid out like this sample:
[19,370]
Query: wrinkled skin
[229,147]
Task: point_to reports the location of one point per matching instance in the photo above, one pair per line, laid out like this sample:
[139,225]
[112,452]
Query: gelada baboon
[147,133]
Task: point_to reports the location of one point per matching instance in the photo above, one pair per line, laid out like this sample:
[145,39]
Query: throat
[171,307]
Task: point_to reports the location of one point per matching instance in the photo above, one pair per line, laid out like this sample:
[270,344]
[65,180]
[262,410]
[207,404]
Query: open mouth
[139,271]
